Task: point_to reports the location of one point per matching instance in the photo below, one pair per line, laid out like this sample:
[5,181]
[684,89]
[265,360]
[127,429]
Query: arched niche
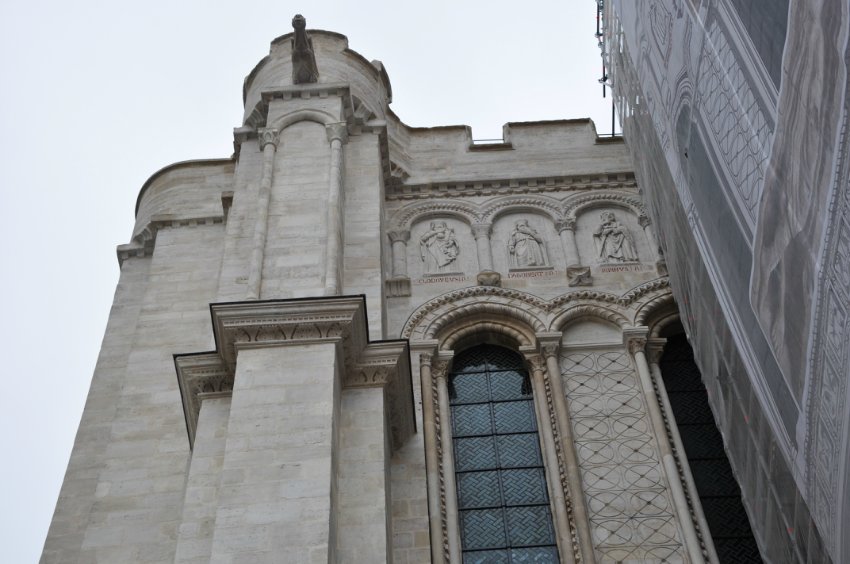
[440,245]
[598,240]
[591,331]
[503,236]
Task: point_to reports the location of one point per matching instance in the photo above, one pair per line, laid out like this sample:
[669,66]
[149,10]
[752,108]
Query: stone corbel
[274,323]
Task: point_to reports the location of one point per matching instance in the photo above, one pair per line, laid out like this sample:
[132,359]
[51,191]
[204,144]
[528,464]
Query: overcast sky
[97,96]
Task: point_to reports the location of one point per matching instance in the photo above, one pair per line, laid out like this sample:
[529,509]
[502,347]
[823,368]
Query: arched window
[501,484]
[717,488]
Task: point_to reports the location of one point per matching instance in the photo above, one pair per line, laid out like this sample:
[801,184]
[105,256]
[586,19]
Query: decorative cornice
[144,242]
[239,326]
[454,189]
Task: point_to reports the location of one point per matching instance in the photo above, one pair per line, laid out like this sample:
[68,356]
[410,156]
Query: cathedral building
[357,341]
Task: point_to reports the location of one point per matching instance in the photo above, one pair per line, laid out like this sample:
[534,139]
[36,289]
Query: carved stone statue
[438,247]
[613,241]
[525,246]
[304,68]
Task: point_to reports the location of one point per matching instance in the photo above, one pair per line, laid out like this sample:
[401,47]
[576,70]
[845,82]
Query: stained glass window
[501,485]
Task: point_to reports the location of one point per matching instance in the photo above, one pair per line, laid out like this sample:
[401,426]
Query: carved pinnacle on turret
[304,69]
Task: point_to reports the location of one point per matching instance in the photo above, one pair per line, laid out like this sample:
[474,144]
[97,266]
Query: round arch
[407,216]
[317,116]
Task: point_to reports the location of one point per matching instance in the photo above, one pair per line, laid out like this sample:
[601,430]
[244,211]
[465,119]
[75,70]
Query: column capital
[654,349]
[336,131]
[643,220]
[635,338]
[399,235]
[266,135]
[550,343]
[480,230]
[566,224]
[536,361]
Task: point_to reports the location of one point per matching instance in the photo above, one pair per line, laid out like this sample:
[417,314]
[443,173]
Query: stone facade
[311,293]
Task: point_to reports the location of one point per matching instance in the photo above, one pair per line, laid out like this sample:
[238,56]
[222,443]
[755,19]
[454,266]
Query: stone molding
[144,242]
[532,313]
[259,324]
[562,213]
[456,189]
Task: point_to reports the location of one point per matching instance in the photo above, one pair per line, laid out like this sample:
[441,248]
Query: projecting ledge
[239,326]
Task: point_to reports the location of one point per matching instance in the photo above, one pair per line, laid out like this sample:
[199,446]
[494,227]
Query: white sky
[95,96]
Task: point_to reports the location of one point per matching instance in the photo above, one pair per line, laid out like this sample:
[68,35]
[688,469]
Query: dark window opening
[718,490]
[501,483]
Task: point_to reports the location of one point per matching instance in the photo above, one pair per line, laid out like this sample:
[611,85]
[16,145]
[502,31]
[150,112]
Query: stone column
[549,345]
[440,373]
[635,340]
[646,224]
[481,232]
[337,135]
[567,232]
[550,455]
[430,414]
[268,139]
[399,241]
[654,350]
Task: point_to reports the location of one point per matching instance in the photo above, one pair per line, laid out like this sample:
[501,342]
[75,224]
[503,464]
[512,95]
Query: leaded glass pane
[483,528]
[478,489]
[499,358]
[486,557]
[508,385]
[475,419]
[472,360]
[501,483]
[516,451]
[529,525]
[536,555]
[476,453]
[524,487]
[469,388]
[514,417]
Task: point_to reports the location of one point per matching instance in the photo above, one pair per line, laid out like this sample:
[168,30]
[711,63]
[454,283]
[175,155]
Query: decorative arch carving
[317,116]
[452,316]
[498,207]
[408,215]
[654,306]
[580,310]
[575,206]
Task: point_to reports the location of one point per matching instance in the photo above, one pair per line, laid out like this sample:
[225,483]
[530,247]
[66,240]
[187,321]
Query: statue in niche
[613,241]
[525,246]
[438,248]
[304,69]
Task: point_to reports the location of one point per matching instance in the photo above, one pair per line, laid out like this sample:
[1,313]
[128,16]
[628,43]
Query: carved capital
[402,235]
[481,230]
[567,224]
[338,131]
[266,135]
[439,368]
[635,339]
[536,362]
[643,220]
[654,350]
